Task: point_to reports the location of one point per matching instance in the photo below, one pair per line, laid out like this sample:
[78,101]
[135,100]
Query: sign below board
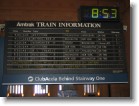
[64,52]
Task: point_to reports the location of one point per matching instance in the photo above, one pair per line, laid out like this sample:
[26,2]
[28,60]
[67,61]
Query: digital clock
[99,13]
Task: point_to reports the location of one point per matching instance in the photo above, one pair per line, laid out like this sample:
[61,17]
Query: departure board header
[56,24]
[59,24]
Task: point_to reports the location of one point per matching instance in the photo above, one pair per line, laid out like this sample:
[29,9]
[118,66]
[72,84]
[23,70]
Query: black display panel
[64,49]
[98,13]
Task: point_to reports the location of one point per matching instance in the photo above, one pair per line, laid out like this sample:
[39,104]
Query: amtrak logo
[30,79]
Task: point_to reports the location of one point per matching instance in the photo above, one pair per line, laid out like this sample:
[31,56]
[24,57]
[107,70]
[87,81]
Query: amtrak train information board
[64,52]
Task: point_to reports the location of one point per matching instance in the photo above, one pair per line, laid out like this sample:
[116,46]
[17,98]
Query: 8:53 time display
[89,13]
[104,13]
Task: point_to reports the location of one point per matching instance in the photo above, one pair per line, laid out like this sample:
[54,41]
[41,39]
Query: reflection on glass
[15,90]
[40,90]
[90,90]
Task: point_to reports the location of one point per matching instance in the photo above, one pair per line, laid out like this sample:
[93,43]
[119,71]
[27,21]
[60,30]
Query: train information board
[64,52]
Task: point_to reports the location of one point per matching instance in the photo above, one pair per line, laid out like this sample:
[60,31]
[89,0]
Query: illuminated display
[89,13]
[64,52]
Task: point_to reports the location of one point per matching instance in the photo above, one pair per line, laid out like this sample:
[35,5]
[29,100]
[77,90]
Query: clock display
[99,13]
